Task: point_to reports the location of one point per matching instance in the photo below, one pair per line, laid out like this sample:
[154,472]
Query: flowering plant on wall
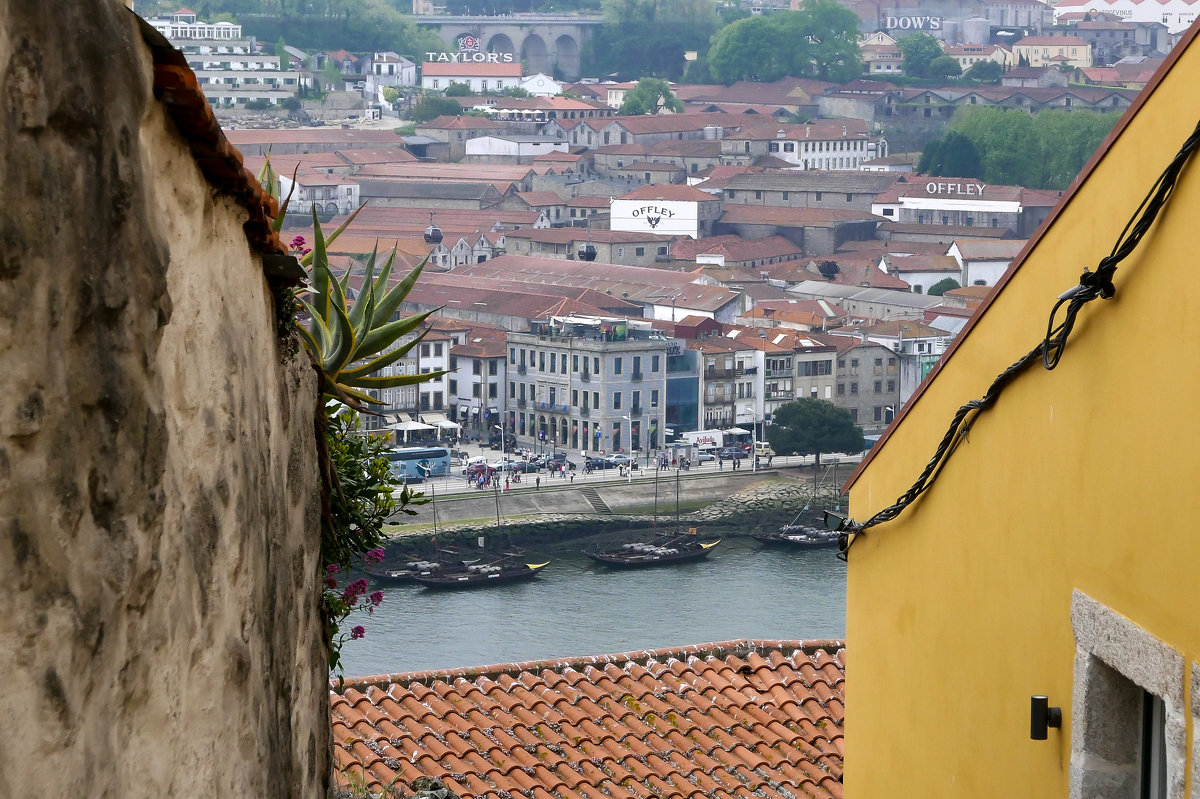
[349,342]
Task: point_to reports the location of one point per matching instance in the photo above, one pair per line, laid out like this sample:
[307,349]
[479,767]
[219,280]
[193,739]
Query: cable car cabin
[587,252]
[433,235]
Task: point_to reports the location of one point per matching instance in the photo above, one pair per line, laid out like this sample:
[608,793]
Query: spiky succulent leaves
[309,258]
[364,303]
[391,300]
[283,205]
[383,359]
[320,274]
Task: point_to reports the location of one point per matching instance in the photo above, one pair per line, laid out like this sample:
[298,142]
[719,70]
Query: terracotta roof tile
[740,719]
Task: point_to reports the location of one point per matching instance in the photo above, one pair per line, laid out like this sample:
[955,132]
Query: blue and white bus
[414,464]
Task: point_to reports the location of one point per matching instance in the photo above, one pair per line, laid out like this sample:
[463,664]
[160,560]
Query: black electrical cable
[1049,350]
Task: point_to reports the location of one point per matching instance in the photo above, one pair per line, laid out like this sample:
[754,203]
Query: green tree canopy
[942,286]
[812,427]
[1043,152]
[984,72]
[944,66]
[953,155]
[818,41]
[650,95]
[458,90]
[919,51]
[647,38]
[429,107]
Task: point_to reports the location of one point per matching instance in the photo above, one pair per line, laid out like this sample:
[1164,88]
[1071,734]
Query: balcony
[521,369]
[751,370]
[520,403]
[584,411]
[778,395]
[777,373]
[636,410]
[718,374]
[636,376]
[585,377]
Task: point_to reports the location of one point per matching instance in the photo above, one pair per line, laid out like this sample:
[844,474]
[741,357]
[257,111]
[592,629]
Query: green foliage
[458,90]
[432,106]
[1044,151]
[697,72]
[942,286]
[919,51]
[515,91]
[282,53]
[818,41]
[812,427]
[350,341]
[290,104]
[390,95]
[984,72]
[647,38]
[649,97]
[258,104]
[405,130]
[331,76]
[953,155]
[944,66]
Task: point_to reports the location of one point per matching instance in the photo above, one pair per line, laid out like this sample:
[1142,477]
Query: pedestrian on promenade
[537,482]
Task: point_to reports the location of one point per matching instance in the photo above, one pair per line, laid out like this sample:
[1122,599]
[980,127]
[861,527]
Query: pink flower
[354,591]
[376,598]
[332,568]
[375,555]
[358,632]
[331,582]
[298,242]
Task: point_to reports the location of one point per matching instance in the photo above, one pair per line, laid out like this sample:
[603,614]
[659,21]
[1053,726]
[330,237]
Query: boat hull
[636,560]
[465,579]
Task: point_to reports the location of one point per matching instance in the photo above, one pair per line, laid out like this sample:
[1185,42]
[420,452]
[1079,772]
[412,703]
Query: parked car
[524,467]
[557,460]
[705,457]
[731,453]
[478,459]
[623,460]
[476,470]
[600,463]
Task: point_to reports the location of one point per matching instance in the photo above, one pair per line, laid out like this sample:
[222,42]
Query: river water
[576,607]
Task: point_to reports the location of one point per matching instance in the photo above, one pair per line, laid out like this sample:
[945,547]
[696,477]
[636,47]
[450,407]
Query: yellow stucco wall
[1083,478]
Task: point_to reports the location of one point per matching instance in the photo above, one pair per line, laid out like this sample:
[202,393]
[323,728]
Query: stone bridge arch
[544,42]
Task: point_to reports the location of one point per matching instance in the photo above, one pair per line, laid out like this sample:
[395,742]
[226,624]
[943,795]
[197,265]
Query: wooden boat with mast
[677,546]
[507,568]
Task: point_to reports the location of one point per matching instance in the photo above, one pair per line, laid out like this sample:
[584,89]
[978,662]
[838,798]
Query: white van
[762,449]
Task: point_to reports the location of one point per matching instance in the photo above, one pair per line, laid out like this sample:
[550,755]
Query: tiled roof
[794,217]
[718,721]
[1003,250]
[814,180]
[668,192]
[460,123]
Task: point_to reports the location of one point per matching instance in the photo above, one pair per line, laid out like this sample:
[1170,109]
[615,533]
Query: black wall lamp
[1042,717]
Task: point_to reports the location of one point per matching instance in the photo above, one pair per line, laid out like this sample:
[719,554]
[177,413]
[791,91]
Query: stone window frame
[1112,655]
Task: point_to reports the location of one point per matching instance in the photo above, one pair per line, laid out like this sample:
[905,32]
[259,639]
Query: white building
[1177,15]
[964,202]
[670,210]
[184,25]
[512,148]
[822,144]
[482,76]
[332,194]
[984,261]
[389,69]
[541,85]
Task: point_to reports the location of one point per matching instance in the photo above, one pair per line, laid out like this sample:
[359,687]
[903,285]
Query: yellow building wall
[1086,477]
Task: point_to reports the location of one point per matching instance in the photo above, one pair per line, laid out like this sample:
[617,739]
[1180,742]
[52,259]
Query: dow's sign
[911,22]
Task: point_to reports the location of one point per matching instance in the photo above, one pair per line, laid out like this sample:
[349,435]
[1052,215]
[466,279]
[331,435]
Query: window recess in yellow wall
[1049,350]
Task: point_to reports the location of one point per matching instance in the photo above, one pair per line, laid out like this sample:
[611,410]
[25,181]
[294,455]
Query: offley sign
[653,214]
[912,22]
[965,189]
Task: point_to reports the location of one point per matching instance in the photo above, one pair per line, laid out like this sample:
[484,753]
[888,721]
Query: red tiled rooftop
[715,721]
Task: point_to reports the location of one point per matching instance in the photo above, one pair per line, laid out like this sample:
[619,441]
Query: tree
[649,97]
[429,107]
[515,91]
[984,72]
[459,90]
[919,51]
[390,94]
[944,66]
[817,41]
[647,38]
[953,155]
[812,427]
[942,286]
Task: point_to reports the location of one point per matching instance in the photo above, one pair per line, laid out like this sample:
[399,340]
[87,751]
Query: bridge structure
[549,43]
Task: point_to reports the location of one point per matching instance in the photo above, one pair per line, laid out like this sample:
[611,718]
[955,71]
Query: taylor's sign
[466,57]
[912,22]
[966,189]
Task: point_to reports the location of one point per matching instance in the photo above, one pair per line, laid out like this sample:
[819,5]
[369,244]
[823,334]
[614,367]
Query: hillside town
[603,282]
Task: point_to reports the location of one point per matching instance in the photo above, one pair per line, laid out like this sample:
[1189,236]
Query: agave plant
[350,341]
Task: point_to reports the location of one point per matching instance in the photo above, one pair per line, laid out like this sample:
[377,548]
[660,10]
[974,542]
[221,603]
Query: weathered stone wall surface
[158,489]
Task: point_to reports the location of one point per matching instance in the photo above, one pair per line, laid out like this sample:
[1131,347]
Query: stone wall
[158,488]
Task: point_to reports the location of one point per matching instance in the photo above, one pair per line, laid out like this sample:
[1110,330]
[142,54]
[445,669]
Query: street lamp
[631,462]
[753,439]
